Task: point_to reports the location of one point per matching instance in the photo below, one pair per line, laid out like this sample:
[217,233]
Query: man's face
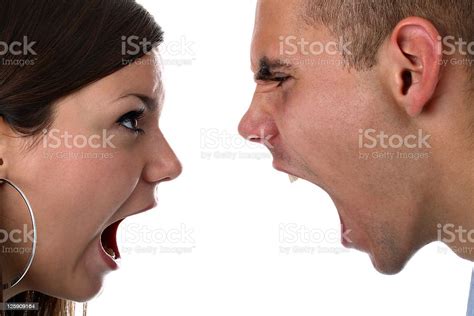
[309,109]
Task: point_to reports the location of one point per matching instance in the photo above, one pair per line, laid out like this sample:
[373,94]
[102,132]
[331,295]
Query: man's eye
[281,80]
[130,121]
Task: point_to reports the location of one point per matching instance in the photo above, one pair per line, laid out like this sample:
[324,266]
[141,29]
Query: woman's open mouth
[107,245]
[108,240]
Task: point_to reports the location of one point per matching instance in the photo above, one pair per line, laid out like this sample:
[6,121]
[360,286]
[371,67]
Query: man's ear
[413,58]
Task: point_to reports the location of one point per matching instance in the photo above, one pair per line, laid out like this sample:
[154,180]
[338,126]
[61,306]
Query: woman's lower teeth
[110,252]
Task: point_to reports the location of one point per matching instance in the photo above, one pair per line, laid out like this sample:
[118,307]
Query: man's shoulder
[470,304]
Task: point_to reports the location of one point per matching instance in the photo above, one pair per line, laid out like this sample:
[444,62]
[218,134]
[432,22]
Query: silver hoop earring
[17,279]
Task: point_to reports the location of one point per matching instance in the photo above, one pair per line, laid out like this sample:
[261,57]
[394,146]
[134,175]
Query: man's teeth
[293,178]
[110,252]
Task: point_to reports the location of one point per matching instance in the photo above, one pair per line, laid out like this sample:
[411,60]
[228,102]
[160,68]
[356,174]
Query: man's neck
[456,207]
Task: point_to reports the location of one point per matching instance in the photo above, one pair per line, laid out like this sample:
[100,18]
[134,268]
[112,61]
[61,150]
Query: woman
[80,100]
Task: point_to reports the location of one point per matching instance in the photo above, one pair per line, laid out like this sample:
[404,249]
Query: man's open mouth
[108,240]
[293,178]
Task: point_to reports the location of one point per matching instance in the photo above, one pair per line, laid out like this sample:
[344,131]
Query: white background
[226,213]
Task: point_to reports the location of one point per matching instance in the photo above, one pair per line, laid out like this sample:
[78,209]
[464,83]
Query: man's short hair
[367,23]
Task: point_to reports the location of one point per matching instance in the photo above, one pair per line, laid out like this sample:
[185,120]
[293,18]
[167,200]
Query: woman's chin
[80,293]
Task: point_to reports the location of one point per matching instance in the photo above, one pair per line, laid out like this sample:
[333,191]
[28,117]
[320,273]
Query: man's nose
[257,125]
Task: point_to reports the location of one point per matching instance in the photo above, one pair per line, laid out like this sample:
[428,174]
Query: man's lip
[279,167]
[344,242]
[350,242]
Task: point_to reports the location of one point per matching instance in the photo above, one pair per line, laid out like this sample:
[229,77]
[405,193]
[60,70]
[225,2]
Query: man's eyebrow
[267,68]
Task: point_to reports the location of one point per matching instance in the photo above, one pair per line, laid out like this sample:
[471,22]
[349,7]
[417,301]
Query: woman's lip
[109,238]
[112,264]
[149,207]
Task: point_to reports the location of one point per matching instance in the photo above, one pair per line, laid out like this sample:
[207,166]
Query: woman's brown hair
[65,45]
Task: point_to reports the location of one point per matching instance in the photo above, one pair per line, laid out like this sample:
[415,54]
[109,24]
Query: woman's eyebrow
[150,103]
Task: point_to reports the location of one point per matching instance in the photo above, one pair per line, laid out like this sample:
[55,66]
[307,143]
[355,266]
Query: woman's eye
[131,120]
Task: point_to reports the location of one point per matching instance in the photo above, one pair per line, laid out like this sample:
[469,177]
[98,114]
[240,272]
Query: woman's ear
[5,129]
[6,134]
[413,58]
[3,145]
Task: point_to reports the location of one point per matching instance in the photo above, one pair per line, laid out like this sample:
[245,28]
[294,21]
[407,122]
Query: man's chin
[387,266]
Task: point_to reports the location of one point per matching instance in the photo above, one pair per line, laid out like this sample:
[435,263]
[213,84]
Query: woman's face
[98,163]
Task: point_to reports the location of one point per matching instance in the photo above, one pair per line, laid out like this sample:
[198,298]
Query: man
[372,101]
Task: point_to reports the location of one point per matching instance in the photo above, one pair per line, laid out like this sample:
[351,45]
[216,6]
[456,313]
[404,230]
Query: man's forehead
[278,8]
[275,20]
[276,16]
